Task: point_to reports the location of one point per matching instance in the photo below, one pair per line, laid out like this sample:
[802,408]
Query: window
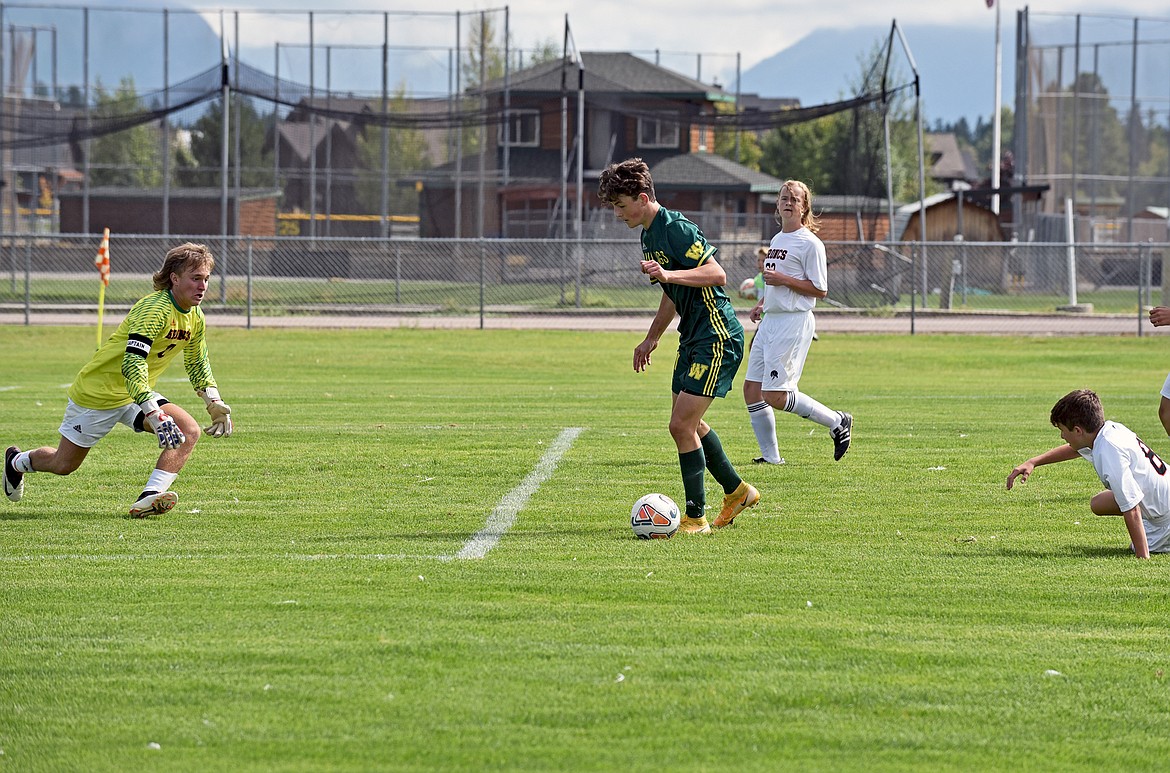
[658,132]
[523,129]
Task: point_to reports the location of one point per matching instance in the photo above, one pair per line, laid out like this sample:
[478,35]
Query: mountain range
[956,68]
[955,64]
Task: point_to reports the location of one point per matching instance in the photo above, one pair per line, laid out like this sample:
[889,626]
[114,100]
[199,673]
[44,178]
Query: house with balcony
[525,185]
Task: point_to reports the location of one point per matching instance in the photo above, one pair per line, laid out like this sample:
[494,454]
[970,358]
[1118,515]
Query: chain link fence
[1092,117]
[992,285]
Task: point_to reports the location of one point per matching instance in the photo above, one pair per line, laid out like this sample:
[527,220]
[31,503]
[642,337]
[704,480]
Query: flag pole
[996,119]
[101,310]
[102,261]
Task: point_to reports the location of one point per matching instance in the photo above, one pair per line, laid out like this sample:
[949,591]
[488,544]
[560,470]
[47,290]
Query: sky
[751,28]
[689,37]
[758,29]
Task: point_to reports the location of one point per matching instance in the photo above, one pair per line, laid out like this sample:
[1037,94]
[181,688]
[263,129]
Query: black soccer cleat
[841,436]
[13,480]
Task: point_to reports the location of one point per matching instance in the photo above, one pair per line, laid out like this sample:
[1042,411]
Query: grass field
[304,608]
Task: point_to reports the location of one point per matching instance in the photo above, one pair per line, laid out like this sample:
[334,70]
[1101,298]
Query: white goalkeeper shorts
[780,349]
[84,427]
[1166,388]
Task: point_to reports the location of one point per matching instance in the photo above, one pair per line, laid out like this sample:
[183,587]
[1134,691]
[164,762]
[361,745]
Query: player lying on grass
[1137,488]
[117,386]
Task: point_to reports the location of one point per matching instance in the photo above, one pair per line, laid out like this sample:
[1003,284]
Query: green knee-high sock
[719,464]
[693,464]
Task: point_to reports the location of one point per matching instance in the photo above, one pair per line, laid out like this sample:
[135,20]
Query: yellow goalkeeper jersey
[128,365]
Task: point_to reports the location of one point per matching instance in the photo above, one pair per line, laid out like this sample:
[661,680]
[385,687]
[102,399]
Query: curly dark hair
[627,178]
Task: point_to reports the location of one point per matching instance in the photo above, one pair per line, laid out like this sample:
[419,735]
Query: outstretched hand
[221,419]
[220,412]
[1160,316]
[1022,472]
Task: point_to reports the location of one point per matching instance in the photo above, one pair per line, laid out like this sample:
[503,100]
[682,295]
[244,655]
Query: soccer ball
[654,516]
[747,288]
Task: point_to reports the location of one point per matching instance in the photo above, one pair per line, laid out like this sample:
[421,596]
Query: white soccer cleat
[154,504]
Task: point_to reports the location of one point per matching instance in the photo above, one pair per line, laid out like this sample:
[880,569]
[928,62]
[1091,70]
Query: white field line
[498,523]
[121,557]
[513,502]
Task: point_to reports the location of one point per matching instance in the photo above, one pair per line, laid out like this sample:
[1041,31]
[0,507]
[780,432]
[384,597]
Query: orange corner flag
[102,261]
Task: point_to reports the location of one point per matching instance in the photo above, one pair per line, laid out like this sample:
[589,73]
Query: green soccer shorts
[708,366]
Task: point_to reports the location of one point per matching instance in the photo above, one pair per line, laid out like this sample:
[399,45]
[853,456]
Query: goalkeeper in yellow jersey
[117,386]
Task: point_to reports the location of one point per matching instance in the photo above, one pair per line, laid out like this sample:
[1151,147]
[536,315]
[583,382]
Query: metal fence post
[482,279]
[563,273]
[578,259]
[223,259]
[28,283]
[249,290]
[1145,282]
[913,284]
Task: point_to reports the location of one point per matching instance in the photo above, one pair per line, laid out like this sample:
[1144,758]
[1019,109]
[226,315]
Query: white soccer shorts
[84,427]
[780,349]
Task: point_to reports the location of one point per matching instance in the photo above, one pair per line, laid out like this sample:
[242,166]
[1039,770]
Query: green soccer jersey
[677,243]
[127,366]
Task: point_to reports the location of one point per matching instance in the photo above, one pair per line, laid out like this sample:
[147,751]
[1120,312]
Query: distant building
[632,107]
[950,215]
[192,211]
[34,174]
[1152,224]
[951,165]
[306,142]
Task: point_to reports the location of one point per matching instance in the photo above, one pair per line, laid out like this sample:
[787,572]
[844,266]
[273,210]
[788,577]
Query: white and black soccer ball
[655,516]
[747,288]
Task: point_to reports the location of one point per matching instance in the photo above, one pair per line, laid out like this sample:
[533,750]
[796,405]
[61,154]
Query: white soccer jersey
[1136,476]
[799,254]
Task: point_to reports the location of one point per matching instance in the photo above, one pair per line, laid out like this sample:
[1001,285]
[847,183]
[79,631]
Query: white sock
[764,425]
[160,480]
[22,463]
[807,408]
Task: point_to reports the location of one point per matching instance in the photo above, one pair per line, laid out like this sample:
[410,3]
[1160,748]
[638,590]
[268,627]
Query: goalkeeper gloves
[162,425]
[221,413]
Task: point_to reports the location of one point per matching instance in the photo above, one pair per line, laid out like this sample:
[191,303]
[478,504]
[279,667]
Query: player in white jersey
[1160,317]
[1136,484]
[795,276]
[117,386]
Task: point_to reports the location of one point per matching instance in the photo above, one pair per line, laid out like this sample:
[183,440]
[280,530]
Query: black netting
[34,128]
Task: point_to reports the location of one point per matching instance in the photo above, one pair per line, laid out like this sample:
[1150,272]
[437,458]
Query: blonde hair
[807,218]
[181,258]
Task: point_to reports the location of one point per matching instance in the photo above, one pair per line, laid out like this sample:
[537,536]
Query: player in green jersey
[677,257]
[117,386]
